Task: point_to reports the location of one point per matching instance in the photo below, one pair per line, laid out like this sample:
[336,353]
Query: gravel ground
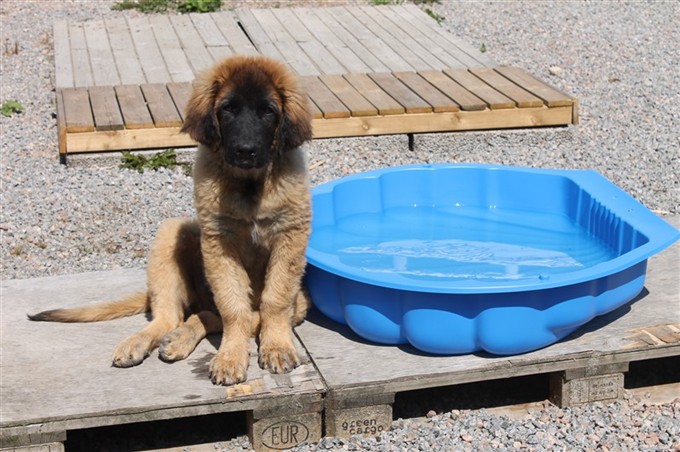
[620,60]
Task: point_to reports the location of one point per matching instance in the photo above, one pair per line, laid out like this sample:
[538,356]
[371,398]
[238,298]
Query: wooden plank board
[133,107]
[257,34]
[317,51]
[325,100]
[147,51]
[493,98]
[79,56]
[160,105]
[442,122]
[399,92]
[457,47]
[237,39]
[193,45]
[522,98]
[350,42]
[292,53]
[175,59]
[385,104]
[78,388]
[104,72]
[77,111]
[61,125]
[463,97]
[349,96]
[63,69]
[124,53]
[105,108]
[434,97]
[217,45]
[180,93]
[370,41]
[426,40]
[551,96]
[348,59]
[391,37]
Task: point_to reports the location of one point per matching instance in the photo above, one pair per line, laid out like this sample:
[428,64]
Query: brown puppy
[238,267]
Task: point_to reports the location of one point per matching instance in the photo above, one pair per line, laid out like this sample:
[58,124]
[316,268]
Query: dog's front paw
[132,350]
[278,358]
[226,369]
[177,345]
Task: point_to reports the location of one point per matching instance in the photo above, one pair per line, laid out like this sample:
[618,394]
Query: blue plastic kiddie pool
[455,258]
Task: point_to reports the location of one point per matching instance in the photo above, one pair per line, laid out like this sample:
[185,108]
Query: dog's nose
[246,152]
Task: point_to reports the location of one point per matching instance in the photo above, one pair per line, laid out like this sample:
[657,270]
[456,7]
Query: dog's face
[249,109]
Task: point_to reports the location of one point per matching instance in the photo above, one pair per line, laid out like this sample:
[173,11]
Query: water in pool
[461,243]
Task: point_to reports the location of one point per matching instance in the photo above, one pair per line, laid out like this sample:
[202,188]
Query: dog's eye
[229,107]
[269,110]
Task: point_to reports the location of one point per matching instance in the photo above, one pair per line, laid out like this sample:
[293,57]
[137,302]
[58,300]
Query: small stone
[430,414]
[555,70]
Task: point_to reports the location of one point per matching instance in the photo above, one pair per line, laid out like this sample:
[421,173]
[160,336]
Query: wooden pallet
[58,377]
[362,379]
[123,84]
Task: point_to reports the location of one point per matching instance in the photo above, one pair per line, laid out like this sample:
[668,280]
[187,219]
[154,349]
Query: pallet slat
[160,105]
[551,96]
[180,93]
[63,70]
[77,111]
[228,26]
[133,107]
[493,98]
[522,98]
[147,50]
[329,105]
[434,97]
[124,54]
[463,97]
[175,59]
[99,49]
[397,90]
[105,108]
[349,96]
[385,104]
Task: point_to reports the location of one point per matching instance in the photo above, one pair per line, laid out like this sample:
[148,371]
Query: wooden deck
[58,377]
[123,83]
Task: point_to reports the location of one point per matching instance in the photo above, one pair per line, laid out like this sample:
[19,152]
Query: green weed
[482,48]
[161,6]
[199,6]
[438,17]
[9,107]
[139,162]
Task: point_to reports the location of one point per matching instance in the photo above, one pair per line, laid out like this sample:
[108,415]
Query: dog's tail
[132,305]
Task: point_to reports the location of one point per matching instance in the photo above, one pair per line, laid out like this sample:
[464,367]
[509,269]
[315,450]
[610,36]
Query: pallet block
[58,377]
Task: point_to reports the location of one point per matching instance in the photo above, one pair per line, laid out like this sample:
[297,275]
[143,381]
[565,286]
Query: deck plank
[180,93]
[316,50]
[420,86]
[133,107]
[426,41]
[193,45]
[175,59]
[228,26]
[292,53]
[325,100]
[124,54]
[385,104]
[101,56]
[105,108]
[399,92]
[257,34]
[63,69]
[350,42]
[551,96]
[455,46]
[522,98]
[464,98]
[370,41]
[77,111]
[150,57]
[217,45]
[348,95]
[390,36]
[81,60]
[493,98]
[160,105]
[348,59]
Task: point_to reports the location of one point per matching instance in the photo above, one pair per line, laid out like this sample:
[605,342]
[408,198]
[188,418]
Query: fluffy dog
[238,267]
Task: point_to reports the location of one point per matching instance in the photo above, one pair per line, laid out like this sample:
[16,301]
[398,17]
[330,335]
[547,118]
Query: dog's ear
[200,121]
[296,122]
